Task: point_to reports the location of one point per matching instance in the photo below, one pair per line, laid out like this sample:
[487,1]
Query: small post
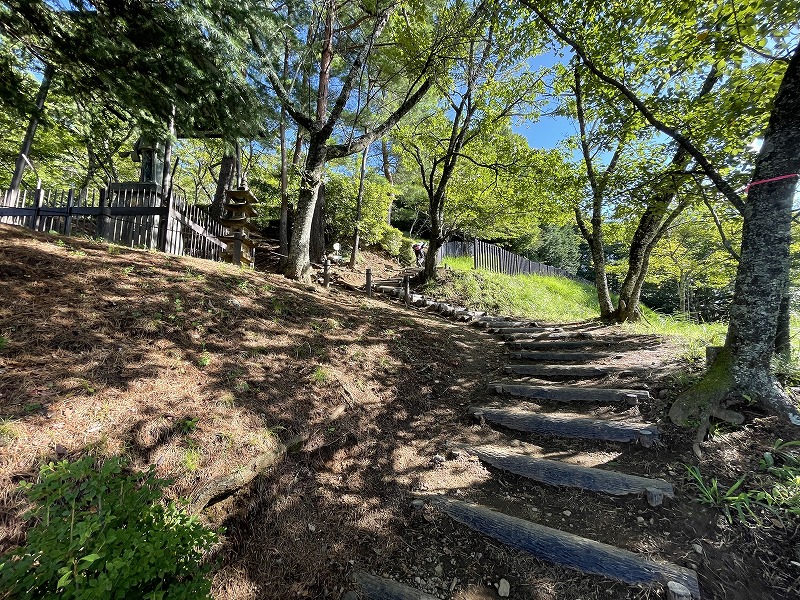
[37,208]
[407,289]
[104,215]
[475,253]
[237,247]
[326,273]
[369,283]
[68,216]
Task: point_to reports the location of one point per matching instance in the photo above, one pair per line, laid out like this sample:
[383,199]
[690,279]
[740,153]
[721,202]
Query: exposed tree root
[707,398]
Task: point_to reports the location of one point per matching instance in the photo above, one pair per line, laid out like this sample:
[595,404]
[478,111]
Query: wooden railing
[134,216]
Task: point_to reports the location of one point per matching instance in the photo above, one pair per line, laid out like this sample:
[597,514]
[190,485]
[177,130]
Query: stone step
[567,549]
[556,372]
[378,588]
[540,355]
[565,393]
[555,472]
[569,426]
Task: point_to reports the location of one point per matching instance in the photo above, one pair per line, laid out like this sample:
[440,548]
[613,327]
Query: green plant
[188,425]
[711,494]
[391,239]
[204,359]
[3,342]
[192,457]
[8,432]
[407,256]
[99,532]
[320,376]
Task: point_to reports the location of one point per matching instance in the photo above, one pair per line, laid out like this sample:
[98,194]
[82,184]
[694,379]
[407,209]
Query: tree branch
[722,185]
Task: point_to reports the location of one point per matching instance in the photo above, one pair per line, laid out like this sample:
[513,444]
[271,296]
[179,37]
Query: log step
[378,588]
[504,329]
[570,426]
[566,549]
[539,355]
[555,472]
[564,335]
[560,344]
[567,393]
[568,371]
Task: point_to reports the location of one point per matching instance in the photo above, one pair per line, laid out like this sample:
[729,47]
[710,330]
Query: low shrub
[101,532]
[391,240]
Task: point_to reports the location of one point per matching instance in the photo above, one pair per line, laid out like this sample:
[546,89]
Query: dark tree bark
[30,133]
[743,367]
[318,243]
[224,182]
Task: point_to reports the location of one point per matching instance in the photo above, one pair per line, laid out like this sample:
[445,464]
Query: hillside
[199,368]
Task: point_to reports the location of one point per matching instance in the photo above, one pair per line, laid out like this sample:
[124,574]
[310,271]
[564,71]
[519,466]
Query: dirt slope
[198,367]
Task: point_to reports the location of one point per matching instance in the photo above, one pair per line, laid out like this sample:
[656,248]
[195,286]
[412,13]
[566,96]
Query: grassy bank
[555,299]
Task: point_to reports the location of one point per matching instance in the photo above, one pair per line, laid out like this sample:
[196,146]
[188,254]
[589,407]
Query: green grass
[555,299]
[530,296]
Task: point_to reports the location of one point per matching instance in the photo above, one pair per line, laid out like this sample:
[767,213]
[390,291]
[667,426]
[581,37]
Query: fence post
[369,283]
[68,216]
[164,222]
[103,215]
[475,253]
[326,273]
[37,208]
[407,289]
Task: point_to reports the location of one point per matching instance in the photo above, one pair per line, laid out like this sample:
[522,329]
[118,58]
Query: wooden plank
[569,426]
[559,344]
[378,588]
[539,355]
[566,549]
[555,372]
[556,472]
[566,393]
[561,334]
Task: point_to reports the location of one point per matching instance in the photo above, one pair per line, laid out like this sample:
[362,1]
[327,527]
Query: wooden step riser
[554,472]
[565,357]
[560,372]
[378,588]
[566,549]
[569,394]
[588,429]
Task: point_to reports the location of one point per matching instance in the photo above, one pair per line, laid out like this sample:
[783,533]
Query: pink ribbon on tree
[770,180]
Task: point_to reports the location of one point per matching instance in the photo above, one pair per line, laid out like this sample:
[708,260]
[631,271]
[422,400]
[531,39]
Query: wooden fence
[494,258]
[132,216]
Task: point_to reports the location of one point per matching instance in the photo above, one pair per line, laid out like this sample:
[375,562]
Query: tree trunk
[226,171]
[298,265]
[387,172]
[594,239]
[283,227]
[435,240]
[27,142]
[359,199]
[783,337]
[743,367]
[317,243]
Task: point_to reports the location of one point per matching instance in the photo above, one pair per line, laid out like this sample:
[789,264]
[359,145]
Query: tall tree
[743,367]
[349,33]
[488,82]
